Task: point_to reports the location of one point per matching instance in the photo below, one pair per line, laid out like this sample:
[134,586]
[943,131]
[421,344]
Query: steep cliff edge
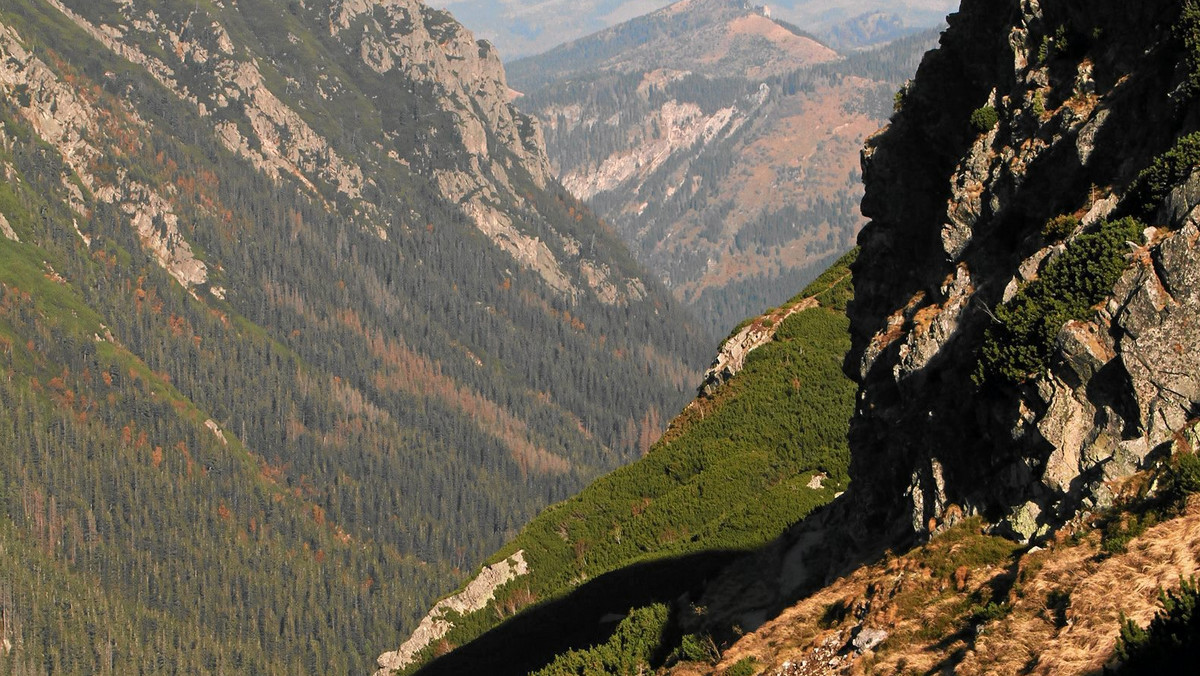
[989,196]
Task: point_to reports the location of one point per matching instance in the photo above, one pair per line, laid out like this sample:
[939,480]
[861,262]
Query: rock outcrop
[74,124]
[254,109]
[731,357]
[435,625]
[1085,96]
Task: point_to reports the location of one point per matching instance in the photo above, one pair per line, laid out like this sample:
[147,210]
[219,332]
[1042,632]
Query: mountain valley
[299,329]
[1022,465]
[721,144]
[295,327]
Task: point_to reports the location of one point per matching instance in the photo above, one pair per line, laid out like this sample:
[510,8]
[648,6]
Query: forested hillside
[294,330]
[737,467]
[721,144]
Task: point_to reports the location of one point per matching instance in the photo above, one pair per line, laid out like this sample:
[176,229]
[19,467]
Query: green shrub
[1183,478]
[1168,170]
[628,651]
[1171,644]
[1039,104]
[1119,532]
[1022,341]
[984,118]
[747,666]
[1060,227]
[1052,45]
[989,612]
[697,648]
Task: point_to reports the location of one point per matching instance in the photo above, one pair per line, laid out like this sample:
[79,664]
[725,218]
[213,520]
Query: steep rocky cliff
[1024,292]
[463,100]
[970,212]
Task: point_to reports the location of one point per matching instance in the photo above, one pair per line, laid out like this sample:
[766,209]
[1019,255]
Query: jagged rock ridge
[1086,95]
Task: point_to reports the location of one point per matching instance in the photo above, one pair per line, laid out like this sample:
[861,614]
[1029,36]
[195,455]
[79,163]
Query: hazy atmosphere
[524,27]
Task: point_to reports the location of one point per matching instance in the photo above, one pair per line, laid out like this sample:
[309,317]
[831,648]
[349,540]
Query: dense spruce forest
[276,469]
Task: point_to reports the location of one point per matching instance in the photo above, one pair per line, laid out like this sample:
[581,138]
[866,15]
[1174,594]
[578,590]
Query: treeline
[892,63]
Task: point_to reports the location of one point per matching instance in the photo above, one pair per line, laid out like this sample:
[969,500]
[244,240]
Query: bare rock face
[1084,99]
[732,356]
[464,136]
[429,46]
[71,123]
[7,230]
[474,598]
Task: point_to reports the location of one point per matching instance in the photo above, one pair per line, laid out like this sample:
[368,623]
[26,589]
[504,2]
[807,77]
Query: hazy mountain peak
[521,28]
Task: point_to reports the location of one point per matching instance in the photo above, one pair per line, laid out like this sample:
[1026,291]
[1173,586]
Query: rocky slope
[721,144]
[295,327]
[1055,609]
[960,228]
[1020,296]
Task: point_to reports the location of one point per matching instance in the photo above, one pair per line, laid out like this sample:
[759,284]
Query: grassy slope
[729,475]
[974,603]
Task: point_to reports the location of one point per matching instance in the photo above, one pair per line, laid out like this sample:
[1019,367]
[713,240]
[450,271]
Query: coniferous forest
[277,469]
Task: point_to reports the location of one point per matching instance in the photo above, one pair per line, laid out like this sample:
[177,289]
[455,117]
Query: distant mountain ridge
[521,28]
[720,143]
[713,38]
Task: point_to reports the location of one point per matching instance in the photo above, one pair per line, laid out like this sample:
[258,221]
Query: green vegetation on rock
[747,666]
[1171,643]
[1168,170]
[628,652]
[1022,341]
[984,118]
[1187,31]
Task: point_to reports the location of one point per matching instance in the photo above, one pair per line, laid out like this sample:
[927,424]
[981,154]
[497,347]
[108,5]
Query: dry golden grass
[1065,600]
